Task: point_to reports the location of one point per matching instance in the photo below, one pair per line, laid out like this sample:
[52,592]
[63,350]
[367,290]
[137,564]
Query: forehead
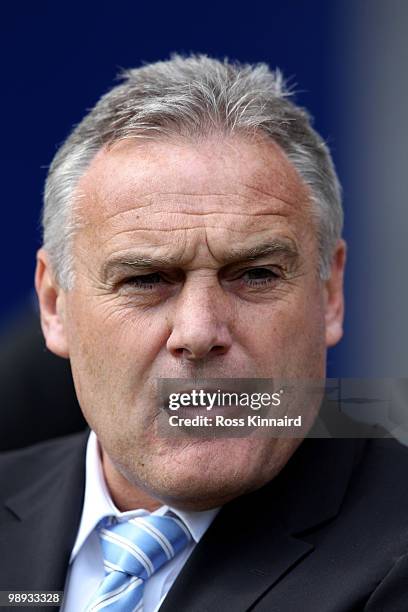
[163,194]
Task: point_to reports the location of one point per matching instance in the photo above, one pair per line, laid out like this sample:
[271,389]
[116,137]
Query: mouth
[229,397]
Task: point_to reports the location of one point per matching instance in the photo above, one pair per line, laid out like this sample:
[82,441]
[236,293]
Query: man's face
[191,260]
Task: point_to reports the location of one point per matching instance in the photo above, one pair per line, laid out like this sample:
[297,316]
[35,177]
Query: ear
[334,297]
[52,306]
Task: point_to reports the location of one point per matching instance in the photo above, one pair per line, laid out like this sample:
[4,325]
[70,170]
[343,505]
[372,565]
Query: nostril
[218,348]
[179,351]
[194,354]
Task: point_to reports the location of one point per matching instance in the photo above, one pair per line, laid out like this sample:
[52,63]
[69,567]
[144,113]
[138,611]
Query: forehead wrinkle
[289,202]
[185,230]
[206,194]
[222,213]
[141,202]
[172,230]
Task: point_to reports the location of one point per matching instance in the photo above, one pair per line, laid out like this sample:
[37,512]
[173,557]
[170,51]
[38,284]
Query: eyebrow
[284,247]
[133,261]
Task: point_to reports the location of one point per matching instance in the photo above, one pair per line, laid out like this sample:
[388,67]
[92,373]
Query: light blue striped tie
[132,552]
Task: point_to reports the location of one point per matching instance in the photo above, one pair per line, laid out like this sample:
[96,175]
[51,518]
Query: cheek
[308,335]
[111,350]
[287,338]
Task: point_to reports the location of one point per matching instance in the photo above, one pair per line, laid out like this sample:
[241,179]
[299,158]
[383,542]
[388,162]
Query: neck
[125,495]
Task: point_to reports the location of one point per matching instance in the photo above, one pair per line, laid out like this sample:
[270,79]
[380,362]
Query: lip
[206,389]
[240,385]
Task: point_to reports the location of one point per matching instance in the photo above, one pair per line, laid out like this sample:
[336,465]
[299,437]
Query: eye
[260,277]
[144,281]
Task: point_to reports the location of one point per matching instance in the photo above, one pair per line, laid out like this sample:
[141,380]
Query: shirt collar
[98,503]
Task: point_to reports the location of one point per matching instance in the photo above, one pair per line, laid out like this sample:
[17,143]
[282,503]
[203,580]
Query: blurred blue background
[348,62]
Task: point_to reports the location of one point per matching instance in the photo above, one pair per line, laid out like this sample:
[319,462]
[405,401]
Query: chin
[185,492]
[208,474]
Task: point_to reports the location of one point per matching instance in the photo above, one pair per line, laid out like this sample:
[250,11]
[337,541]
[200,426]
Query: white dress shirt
[86,570]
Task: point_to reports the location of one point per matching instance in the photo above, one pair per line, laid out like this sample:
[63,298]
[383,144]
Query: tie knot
[141,545]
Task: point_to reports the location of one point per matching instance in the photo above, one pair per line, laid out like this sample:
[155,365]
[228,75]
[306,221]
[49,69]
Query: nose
[200,325]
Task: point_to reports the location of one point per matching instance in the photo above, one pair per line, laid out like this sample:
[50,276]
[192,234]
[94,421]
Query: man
[192,230]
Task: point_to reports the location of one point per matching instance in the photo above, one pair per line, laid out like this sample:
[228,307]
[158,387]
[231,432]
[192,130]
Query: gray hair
[191,97]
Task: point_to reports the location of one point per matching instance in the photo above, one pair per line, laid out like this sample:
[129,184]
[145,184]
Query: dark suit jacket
[329,534]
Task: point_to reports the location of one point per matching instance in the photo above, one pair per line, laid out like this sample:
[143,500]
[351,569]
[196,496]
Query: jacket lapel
[256,539]
[234,563]
[41,521]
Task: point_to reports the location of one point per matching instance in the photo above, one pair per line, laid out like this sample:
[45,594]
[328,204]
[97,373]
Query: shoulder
[380,489]
[376,498]
[19,468]
[385,460]
[381,474]
[379,469]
